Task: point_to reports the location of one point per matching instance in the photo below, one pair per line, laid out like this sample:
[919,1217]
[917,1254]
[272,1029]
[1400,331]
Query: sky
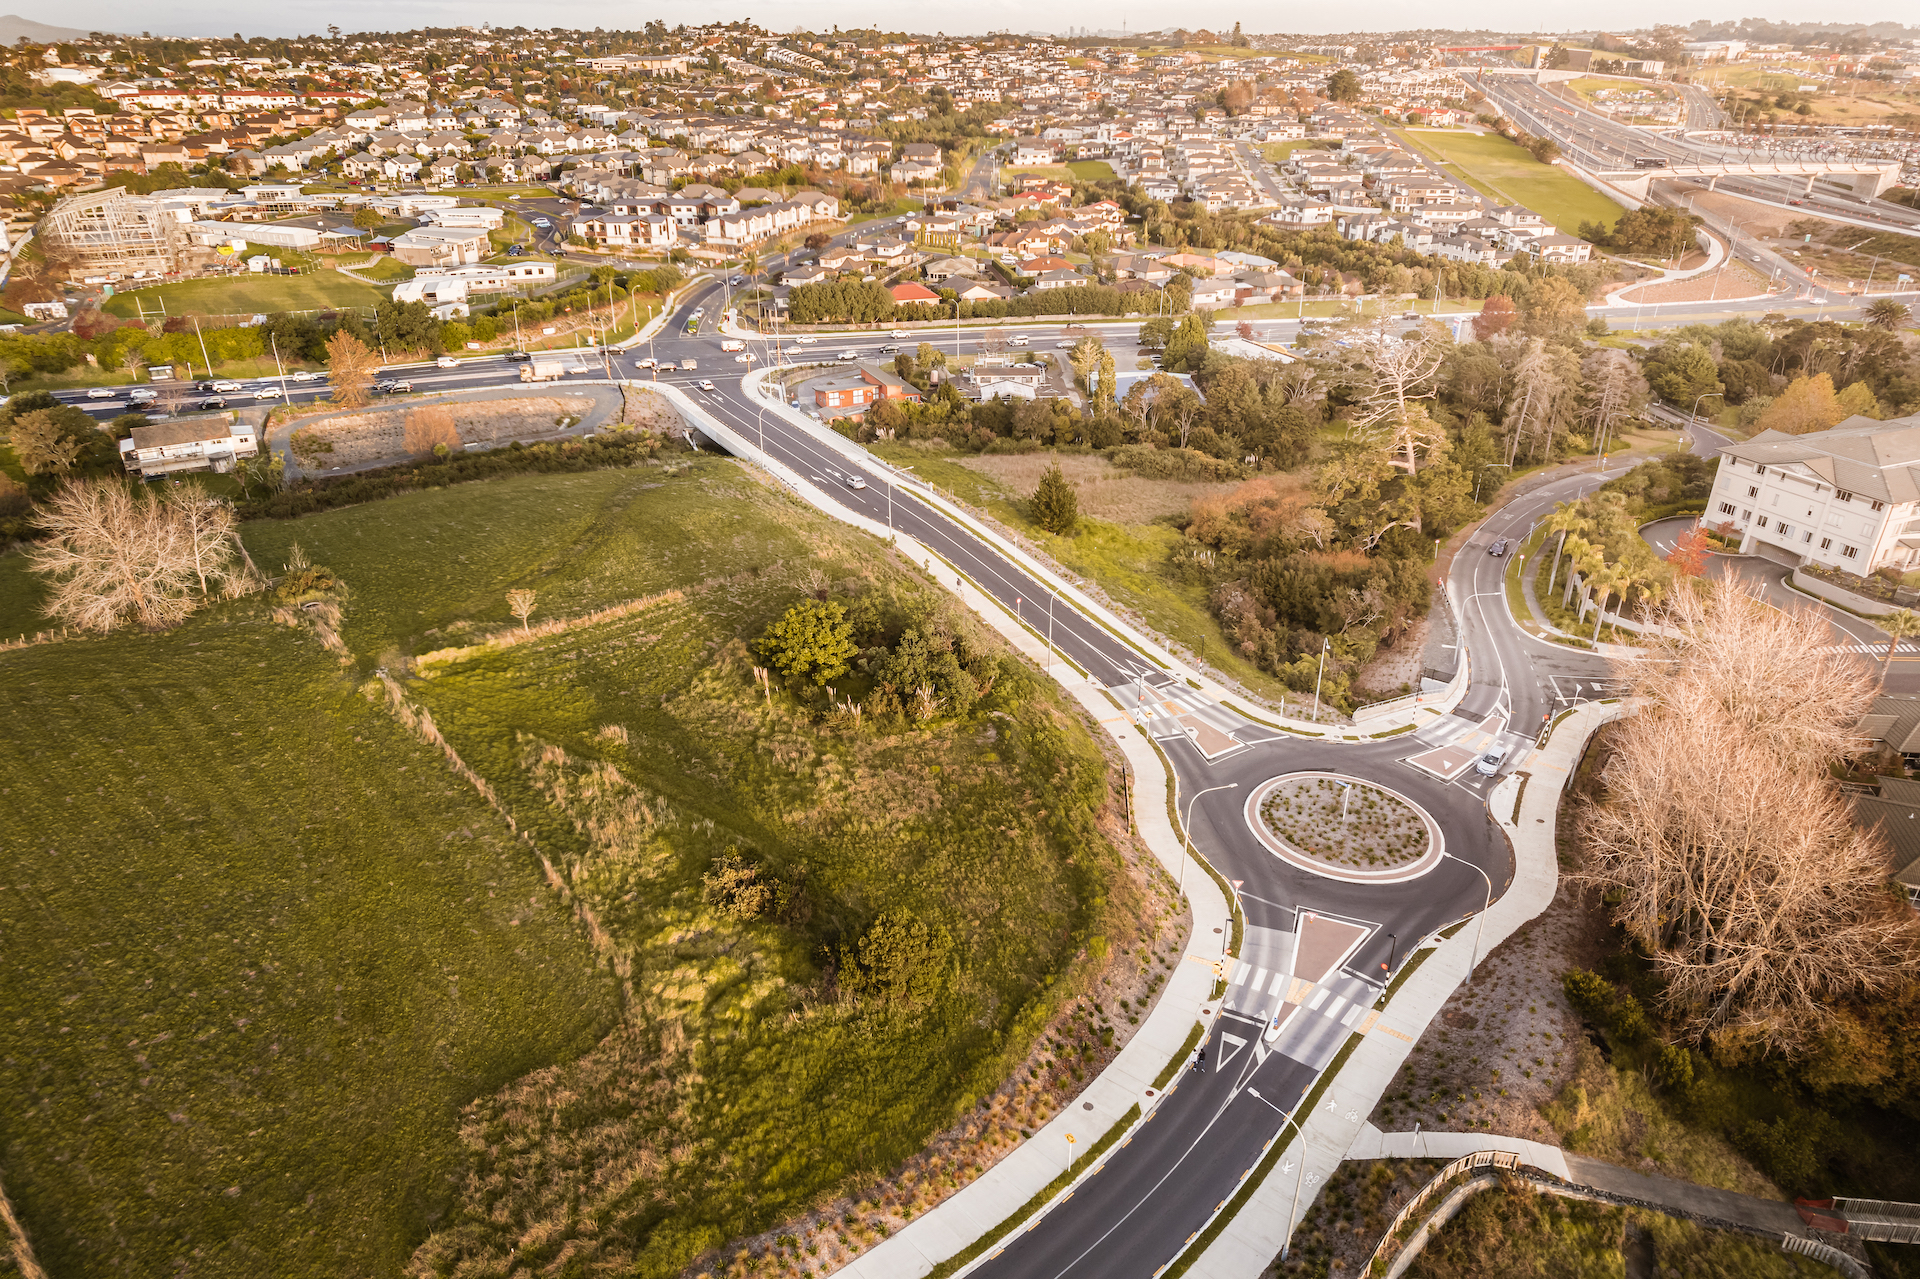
[305,17]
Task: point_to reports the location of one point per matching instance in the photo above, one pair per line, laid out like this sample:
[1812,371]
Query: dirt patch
[1736,280]
[1105,492]
[648,409]
[1395,668]
[379,434]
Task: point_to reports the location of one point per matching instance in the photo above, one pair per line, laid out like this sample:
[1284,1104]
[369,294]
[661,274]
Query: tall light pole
[1481,928]
[1187,829]
[1326,644]
[1694,417]
[1294,1119]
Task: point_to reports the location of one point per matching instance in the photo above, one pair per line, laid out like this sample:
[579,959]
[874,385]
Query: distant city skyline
[303,18]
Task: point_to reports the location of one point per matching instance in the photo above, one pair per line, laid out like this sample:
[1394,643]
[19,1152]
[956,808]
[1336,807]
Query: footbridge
[1867,178]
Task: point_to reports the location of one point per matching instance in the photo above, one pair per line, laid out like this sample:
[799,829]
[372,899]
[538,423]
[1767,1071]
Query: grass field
[1092,171]
[256,883]
[260,950]
[244,294]
[1498,168]
[1277,152]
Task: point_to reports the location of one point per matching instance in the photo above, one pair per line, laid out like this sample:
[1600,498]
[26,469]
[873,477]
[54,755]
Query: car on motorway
[225,387]
[849,355]
[707,386]
[805,341]
[517,357]
[1498,549]
[303,375]
[1019,339]
[101,393]
[644,362]
[266,392]
[446,362]
[141,394]
[1489,764]
[736,279]
[393,387]
[855,482]
[212,402]
[899,333]
[1066,345]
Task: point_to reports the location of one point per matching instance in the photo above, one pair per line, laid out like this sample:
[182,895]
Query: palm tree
[1566,518]
[1583,558]
[1887,313]
[1604,583]
[1898,624]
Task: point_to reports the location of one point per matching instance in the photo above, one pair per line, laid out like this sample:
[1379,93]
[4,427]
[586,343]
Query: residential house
[909,291]
[441,246]
[188,444]
[986,381]
[851,394]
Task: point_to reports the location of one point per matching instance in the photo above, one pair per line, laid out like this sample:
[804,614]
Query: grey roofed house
[1896,812]
[1874,459]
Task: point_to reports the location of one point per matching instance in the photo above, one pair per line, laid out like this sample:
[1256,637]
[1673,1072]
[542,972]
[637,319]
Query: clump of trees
[1724,846]
[898,667]
[115,557]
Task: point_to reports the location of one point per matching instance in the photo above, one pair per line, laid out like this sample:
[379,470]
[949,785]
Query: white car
[266,392]
[1065,346]
[855,482]
[643,363]
[1489,764]
[898,333]
[223,388]
[447,362]
[581,368]
[303,375]
[101,393]
[849,355]
[707,386]
[141,394]
[806,341]
[743,359]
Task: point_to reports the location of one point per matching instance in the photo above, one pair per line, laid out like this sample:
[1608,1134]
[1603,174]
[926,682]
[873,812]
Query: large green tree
[1344,86]
[812,640]
[1055,506]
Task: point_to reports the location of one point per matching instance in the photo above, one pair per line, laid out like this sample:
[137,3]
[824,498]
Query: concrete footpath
[1250,1242]
[976,1211]
[1371,1143]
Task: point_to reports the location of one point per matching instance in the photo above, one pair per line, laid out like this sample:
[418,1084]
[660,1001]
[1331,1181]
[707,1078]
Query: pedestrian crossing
[1904,652]
[1273,978]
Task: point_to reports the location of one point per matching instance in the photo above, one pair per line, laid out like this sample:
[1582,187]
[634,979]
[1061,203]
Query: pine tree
[1055,506]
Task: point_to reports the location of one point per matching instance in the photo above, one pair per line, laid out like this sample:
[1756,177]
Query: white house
[1846,498]
[188,444]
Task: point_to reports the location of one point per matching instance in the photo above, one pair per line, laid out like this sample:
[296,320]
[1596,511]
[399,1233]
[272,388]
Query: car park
[855,482]
[446,362]
[101,393]
[1498,548]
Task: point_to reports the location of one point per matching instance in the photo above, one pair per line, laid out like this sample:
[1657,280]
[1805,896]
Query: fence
[1881,1220]
[1825,1252]
[1390,1242]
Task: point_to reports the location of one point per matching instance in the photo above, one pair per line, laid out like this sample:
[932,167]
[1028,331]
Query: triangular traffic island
[1323,943]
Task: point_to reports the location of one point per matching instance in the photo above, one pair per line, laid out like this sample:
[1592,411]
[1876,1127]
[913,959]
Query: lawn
[281,989]
[381,266]
[1277,152]
[1056,172]
[1504,171]
[1092,171]
[260,950]
[252,294]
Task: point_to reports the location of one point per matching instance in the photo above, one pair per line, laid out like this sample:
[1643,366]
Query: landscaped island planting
[1377,830]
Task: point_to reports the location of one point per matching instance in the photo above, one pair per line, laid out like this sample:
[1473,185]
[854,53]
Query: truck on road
[733,344]
[544,369]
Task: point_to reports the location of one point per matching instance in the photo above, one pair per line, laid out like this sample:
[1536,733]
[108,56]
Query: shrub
[1785,1149]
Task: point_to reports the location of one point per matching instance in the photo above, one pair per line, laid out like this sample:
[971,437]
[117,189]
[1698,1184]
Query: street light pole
[1480,929]
[1293,1119]
[1326,643]
[1693,418]
[1187,829]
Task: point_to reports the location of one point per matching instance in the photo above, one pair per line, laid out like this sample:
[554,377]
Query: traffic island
[1344,828]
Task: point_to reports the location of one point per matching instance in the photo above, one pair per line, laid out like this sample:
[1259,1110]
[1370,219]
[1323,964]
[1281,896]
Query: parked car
[1498,548]
[304,375]
[101,392]
[515,250]
[446,362]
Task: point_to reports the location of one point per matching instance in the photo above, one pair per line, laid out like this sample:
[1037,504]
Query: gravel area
[1355,825]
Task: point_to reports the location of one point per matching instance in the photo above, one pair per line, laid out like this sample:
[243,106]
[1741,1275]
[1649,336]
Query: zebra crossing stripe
[1352,1012]
[1333,1007]
[1279,981]
[1240,973]
[1319,998]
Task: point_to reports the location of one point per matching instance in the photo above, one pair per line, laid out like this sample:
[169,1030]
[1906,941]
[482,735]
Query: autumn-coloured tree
[520,604]
[428,427]
[349,369]
[1689,553]
[1724,843]
[42,444]
[111,558]
[1497,315]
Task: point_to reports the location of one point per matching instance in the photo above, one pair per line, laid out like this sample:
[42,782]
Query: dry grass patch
[1105,491]
[353,439]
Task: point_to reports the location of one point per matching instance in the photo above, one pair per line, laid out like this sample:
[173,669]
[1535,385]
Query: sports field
[1503,171]
[252,294]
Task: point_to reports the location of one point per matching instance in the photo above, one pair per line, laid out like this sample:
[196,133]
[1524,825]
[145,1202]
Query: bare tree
[1388,374]
[1724,841]
[1615,388]
[520,604]
[349,369]
[206,527]
[428,427]
[113,558]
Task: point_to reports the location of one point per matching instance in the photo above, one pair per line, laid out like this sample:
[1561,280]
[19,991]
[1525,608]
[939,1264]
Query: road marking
[1259,977]
[1240,974]
[1237,1042]
[1319,998]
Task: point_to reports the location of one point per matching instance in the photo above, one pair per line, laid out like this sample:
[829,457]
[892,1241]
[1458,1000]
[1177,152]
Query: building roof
[1879,460]
[186,430]
[1896,811]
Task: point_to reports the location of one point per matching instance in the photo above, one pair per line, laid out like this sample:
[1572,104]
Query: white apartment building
[1846,498]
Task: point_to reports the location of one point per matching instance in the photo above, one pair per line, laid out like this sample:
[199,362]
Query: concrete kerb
[1249,1243]
[1439,702]
[978,1209]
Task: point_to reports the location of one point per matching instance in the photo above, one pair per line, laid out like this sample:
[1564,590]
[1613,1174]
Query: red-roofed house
[911,292]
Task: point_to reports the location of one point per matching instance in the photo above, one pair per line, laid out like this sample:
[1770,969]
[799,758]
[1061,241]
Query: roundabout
[1345,828]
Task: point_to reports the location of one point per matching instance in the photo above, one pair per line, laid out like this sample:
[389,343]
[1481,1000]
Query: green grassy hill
[286,998]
